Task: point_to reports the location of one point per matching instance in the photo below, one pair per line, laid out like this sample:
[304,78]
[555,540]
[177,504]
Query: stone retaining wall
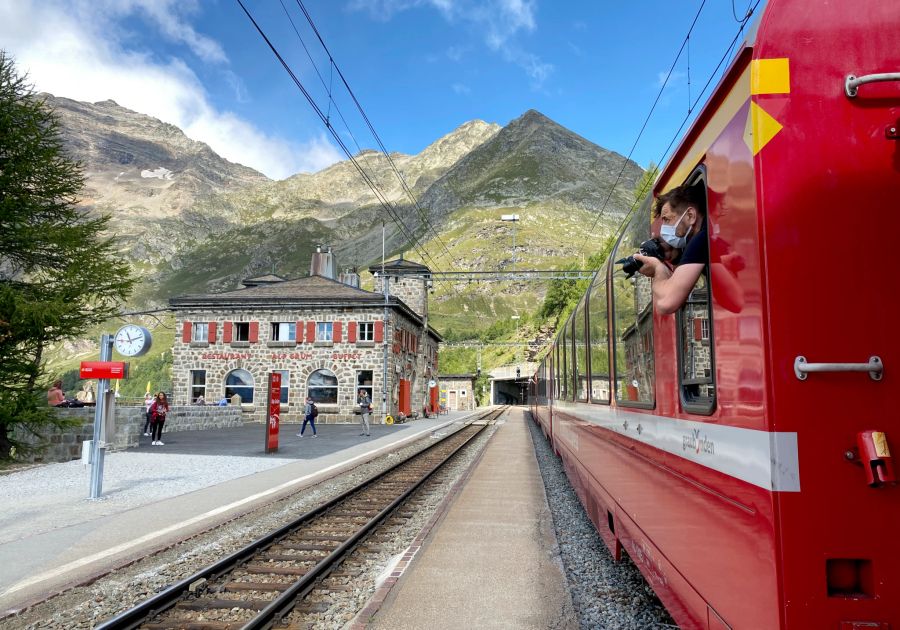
[65,444]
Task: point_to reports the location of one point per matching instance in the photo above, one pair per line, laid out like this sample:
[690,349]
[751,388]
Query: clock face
[132,340]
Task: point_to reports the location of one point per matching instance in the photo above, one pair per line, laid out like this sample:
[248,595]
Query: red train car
[741,449]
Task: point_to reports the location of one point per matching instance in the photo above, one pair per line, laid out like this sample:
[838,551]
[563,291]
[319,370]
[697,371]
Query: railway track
[261,584]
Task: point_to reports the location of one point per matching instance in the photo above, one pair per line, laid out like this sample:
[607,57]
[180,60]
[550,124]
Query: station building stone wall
[328,340]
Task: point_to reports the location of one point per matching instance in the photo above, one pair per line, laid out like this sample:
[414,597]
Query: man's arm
[670,288]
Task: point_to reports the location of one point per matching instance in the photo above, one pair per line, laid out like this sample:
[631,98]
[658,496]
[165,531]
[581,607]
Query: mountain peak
[533,159]
[531,116]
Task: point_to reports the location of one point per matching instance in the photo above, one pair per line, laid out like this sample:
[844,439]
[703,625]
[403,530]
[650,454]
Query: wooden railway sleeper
[147,612]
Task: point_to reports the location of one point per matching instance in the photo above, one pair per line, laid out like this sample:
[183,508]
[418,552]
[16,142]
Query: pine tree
[58,274]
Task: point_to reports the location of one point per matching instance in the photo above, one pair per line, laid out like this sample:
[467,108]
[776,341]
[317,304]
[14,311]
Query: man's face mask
[667,233]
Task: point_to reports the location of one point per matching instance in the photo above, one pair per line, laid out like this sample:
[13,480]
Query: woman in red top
[158,411]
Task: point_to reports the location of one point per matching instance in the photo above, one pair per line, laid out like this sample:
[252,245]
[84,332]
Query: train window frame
[601,279]
[641,217]
[689,403]
[580,310]
[565,362]
[556,388]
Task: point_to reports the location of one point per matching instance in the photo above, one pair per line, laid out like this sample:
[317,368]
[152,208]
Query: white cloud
[164,14]
[498,21]
[461,88]
[673,79]
[78,50]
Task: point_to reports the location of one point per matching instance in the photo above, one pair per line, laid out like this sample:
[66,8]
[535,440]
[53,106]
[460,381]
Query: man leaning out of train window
[682,216]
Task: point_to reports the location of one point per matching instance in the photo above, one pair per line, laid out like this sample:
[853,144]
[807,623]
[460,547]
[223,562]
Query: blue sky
[420,68]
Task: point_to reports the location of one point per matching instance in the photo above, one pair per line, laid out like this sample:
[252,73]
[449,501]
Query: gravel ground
[86,606]
[606,594]
[65,487]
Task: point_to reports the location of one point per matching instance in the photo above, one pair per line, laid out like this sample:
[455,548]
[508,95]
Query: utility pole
[384,339]
[512,218]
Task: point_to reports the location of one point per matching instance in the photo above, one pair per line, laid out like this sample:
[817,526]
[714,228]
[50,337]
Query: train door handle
[852,82]
[874,367]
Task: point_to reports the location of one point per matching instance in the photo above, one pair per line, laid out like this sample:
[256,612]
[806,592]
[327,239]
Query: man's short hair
[679,197]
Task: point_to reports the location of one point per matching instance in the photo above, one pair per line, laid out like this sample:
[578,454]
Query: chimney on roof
[350,277]
[322,263]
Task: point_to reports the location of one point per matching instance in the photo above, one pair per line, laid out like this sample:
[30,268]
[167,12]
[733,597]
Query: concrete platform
[492,560]
[52,535]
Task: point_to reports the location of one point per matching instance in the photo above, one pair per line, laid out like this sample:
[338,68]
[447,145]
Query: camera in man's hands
[650,247]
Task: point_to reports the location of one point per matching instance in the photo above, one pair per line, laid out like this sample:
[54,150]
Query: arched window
[322,387]
[239,382]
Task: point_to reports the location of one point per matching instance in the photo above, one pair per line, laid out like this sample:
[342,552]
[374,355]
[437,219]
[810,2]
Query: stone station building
[327,338]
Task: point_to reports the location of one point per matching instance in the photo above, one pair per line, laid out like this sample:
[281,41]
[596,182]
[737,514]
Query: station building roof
[312,292]
[401,267]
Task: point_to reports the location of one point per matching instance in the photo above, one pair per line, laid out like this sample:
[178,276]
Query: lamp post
[512,218]
[516,317]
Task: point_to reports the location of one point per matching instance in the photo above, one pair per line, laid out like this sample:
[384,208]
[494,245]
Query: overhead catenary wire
[423,216]
[371,127]
[648,184]
[382,199]
[643,126]
[379,195]
[327,86]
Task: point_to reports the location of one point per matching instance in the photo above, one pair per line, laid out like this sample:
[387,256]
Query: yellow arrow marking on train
[760,128]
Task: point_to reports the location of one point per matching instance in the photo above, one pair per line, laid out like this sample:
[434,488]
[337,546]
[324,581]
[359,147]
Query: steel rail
[136,616]
[285,603]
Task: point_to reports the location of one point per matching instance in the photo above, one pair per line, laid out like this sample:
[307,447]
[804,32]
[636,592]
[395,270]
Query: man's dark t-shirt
[697,249]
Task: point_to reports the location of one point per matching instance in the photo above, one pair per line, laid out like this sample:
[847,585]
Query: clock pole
[97,453]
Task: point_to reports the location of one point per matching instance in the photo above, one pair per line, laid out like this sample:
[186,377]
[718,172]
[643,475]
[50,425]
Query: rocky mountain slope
[139,166]
[191,221]
[535,159]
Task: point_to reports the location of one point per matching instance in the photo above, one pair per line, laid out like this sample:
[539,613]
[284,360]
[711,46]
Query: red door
[434,399]
[404,397]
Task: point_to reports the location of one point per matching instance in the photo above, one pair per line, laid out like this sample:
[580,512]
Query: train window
[580,337]
[598,319]
[556,391]
[564,356]
[696,361]
[633,319]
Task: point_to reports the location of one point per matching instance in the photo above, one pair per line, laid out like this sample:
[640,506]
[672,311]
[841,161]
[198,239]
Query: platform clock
[132,340]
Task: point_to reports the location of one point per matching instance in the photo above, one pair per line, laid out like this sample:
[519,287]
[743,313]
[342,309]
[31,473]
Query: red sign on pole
[273,417]
[114,370]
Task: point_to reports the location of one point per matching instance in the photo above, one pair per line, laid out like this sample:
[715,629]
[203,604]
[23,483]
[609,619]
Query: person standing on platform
[310,411]
[365,410]
[158,411]
[148,402]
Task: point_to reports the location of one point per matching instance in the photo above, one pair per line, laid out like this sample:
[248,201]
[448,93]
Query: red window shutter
[299,332]
[254,332]
[698,329]
[351,332]
[310,332]
[212,332]
[186,332]
[226,332]
[379,331]
[336,332]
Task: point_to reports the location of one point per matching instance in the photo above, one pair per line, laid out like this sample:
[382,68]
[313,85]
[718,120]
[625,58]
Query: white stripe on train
[768,459]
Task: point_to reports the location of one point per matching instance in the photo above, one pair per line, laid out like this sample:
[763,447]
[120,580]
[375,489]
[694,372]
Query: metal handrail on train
[852,82]
[874,367]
